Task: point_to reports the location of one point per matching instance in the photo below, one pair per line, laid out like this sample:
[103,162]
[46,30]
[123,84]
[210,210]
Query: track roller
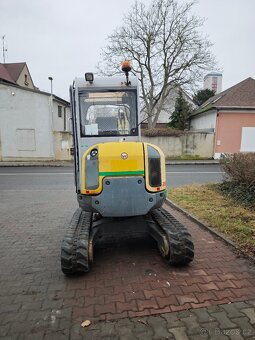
[174,240]
[76,253]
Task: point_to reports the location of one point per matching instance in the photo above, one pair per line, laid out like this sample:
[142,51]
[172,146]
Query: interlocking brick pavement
[195,324]
[128,279]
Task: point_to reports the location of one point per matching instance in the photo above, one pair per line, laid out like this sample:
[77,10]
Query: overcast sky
[63,38]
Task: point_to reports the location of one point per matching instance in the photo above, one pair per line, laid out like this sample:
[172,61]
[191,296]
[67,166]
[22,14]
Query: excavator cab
[116,175]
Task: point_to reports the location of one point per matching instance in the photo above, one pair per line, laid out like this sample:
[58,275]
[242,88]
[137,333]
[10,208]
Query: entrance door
[248,139]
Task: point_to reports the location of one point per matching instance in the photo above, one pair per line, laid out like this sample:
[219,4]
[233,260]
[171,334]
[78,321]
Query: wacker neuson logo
[124,155]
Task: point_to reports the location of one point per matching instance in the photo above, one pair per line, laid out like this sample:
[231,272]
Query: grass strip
[222,213]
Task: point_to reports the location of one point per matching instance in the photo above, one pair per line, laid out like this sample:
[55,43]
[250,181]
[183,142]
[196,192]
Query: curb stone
[192,162]
[211,230]
[37,164]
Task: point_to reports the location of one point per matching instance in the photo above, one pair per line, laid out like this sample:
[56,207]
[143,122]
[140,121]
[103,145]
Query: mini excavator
[117,176]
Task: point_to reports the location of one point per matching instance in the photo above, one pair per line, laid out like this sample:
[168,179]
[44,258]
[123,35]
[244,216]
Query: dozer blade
[174,240]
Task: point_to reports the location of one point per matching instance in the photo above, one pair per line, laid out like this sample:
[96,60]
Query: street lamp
[50,78]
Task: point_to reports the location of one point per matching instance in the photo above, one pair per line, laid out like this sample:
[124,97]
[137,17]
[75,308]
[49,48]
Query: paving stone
[88,334]
[126,306]
[244,324]
[214,309]
[209,329]
[186,306]
[241,305]
[232,311]
[35,305]
[5,308]
[144,336]
[186,298]
[192,325]
[4,329]
[236,334]
[198,337]
[223,320]
[107,329]
[173,320]
[159,327]
[19,328]
[64,323]
[10,337]
[252,302]
[15,317]
[185,314]
[39,315]
[32,336]
[141,326]
[203,315]
[125,333]
[125,323]
[75,331]
[250,312]
[148,303]
[60,335]
[167,301]
[219,337]
[179,333]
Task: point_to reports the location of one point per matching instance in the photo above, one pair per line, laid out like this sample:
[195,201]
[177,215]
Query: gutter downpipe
[216,132]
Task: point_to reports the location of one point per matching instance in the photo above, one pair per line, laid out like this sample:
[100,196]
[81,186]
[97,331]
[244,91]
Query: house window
[26,80]
[59,111]
[64,119]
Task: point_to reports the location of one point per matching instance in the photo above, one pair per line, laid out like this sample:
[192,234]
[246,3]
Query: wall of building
[0,148]
[61,123]
[193,144]
[169,106]
[25,124]
[229,130]
[204,122]
[213,81]
[21,80]
[63,143]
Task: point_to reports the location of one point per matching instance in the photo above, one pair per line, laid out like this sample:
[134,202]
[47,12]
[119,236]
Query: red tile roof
[11,72]
[241,95]
[14,69]
[4,74]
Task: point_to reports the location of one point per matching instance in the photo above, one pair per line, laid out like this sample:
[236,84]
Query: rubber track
[180,242]
[74,249]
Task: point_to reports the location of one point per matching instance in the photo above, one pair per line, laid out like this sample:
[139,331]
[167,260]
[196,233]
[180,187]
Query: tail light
[154,167]
[91,170]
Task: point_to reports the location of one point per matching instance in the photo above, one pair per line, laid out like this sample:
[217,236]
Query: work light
[89,77]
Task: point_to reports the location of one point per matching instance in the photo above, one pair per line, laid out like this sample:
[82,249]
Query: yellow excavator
[117,177]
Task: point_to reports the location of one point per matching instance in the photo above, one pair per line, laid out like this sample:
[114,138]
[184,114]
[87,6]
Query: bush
[162,132]
[240,181]
[240,168]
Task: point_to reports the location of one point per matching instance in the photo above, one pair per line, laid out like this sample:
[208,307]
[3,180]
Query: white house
[34,125]
[231,116]
[168,109]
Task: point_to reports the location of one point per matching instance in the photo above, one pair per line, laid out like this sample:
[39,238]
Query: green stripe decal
[121,173]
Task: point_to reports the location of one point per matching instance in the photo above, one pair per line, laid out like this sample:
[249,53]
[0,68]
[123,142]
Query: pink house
[231,116]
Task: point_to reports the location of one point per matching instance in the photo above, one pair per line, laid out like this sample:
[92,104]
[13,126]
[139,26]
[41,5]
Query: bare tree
[166,47]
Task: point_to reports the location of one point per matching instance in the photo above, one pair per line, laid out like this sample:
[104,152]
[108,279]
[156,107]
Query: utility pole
[52,119]
[4,49]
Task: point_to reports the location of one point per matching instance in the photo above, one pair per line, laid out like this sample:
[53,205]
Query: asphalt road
[62,178]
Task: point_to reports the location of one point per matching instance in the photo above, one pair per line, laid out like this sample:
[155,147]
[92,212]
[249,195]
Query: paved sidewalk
[234,321]
[129,281]
[36,163]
